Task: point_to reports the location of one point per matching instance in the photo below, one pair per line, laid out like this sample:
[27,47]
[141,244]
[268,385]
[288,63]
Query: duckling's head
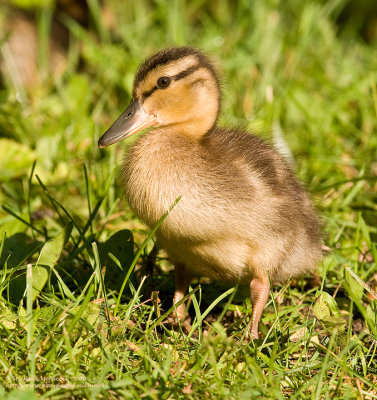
[177,87]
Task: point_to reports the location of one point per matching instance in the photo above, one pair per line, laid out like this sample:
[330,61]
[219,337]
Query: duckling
[242,216]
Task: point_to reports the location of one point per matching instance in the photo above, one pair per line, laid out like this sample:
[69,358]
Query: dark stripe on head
[164,57]
[176,77]
[147,94]
[186,72]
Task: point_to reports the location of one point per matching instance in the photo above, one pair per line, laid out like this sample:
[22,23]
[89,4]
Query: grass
[76,321]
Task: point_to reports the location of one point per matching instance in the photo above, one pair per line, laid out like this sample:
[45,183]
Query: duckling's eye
[163,82]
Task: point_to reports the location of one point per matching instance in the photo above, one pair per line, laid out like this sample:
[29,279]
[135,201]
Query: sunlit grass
[68,327]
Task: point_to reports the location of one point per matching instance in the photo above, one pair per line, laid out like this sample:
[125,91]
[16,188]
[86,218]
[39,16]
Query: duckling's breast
[162,167]
[229,216]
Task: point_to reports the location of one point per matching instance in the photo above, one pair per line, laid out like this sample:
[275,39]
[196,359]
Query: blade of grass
[208,310]
[134,298]
[2,244]
[11,212]
[171,309]
[97,268]
[344,182]
[55,347]
[81,238]
[141,249]
[56,203]
[29,194]
[88,198]
[96,13]
[29,304]
[198,314]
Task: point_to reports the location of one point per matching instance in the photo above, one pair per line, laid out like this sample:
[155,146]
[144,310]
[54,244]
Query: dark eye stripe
[177,77]
[147,94]
[186,72]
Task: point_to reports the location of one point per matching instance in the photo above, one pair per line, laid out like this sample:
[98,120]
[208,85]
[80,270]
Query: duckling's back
[241,205]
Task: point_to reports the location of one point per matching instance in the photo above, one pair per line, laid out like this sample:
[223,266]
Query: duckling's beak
[133,120]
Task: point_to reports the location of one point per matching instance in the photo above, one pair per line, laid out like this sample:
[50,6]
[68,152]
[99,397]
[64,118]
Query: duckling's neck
[192,129]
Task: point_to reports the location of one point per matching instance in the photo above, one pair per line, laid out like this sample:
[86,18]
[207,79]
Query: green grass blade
[29,304]
[141,249]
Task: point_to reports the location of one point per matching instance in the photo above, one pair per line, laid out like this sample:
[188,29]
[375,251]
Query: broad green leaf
[51,251]
[49,256]
[120,245]
[22,315]
[7,318]
[353,286]
[371,312]
[40,277]
[327,312]
[10,225]
[16,159]
[325,307]
[334,322]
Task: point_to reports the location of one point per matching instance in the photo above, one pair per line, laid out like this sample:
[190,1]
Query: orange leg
[259,291]
[182,281]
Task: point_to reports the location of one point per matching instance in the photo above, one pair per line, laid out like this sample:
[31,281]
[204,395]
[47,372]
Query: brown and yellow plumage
[243,216]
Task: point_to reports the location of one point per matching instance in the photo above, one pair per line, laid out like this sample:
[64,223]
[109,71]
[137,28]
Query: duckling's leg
[259,291]
[182,280]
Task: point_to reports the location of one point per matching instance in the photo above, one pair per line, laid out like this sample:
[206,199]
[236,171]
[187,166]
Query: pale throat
[193,128]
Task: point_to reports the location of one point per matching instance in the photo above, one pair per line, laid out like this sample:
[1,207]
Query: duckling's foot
[182,281]
[180,316]
[186,324]
[259,291]
[172,322]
